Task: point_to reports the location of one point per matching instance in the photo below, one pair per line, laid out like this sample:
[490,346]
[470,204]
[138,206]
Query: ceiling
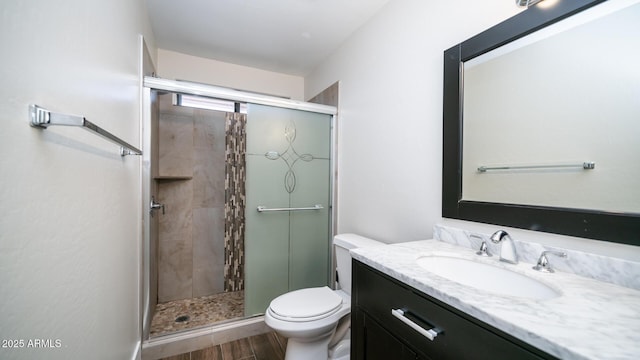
[285,36]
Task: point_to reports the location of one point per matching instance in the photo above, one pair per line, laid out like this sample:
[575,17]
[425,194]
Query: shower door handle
[155,206]
[314,207]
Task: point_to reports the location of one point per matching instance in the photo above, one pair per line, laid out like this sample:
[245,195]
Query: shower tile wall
[175,245]
[191,185]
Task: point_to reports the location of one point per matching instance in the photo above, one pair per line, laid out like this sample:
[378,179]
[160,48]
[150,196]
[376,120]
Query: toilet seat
[306,305]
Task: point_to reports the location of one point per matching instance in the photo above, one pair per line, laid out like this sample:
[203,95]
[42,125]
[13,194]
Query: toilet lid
[306,304]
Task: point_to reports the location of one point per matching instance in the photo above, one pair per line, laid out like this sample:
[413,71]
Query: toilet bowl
[316,320]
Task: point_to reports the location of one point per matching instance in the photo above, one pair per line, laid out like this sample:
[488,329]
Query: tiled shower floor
[201,311]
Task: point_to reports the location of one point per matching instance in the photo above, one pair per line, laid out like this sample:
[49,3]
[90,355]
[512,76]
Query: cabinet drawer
[459,336]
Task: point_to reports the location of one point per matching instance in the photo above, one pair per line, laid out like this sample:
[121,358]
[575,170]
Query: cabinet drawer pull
[429,334]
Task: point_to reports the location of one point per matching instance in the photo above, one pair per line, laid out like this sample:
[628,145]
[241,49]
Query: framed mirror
[542,122]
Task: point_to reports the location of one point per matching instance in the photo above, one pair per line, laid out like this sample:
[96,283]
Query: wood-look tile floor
[269,346]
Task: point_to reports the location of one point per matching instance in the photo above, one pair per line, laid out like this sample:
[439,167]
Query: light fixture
[202,102]
[527,3]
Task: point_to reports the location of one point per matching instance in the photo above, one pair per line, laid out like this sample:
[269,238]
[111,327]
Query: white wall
[69,205]
[390,130]
[390,140]
[177,66]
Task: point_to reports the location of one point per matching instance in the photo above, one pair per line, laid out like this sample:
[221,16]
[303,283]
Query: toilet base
[341,351]
[317,349]
[308,350]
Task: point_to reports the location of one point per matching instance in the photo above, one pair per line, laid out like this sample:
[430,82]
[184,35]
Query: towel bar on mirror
[587,165]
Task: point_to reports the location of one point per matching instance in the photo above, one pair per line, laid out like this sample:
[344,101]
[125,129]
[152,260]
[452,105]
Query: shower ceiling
[286,36]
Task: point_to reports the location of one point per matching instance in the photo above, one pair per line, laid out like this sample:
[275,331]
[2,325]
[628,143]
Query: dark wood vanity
[378,334]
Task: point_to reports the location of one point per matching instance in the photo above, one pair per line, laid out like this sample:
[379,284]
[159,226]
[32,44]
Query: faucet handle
[483,250]
[155,206]
[543,263]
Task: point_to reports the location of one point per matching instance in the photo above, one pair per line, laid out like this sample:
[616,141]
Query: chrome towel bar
[41,118]
[314,207]
[587,165]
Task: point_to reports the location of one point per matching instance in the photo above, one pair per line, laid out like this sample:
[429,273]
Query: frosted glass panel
[310,261]
[288,165]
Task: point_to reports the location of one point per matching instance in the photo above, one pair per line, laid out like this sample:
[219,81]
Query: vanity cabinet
[379,334]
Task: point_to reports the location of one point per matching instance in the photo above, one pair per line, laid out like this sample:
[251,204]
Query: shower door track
[218,92]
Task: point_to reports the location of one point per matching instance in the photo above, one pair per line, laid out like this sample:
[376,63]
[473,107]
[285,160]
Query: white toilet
[316,321]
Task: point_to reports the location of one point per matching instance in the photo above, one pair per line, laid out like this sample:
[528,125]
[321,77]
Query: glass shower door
[288,166]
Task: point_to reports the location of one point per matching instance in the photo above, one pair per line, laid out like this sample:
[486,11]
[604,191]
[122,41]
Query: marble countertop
[590,320]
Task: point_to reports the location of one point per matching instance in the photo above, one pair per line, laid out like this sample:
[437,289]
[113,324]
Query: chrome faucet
[507,249]
[543,263]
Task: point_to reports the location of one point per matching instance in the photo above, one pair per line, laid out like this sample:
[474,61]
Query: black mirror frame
[608,226]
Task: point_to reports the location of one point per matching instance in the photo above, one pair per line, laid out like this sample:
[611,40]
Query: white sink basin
[486,277]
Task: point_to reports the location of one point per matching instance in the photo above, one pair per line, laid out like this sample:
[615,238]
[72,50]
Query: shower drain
[183,318]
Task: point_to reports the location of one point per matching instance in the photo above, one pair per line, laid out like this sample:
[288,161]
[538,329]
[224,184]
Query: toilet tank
[342,244]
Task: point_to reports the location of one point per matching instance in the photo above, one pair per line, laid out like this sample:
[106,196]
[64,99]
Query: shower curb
[192,340]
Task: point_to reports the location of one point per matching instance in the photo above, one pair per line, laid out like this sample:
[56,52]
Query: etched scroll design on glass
[290,157]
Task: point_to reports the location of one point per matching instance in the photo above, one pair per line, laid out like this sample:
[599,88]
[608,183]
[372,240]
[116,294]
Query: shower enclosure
[240,203]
